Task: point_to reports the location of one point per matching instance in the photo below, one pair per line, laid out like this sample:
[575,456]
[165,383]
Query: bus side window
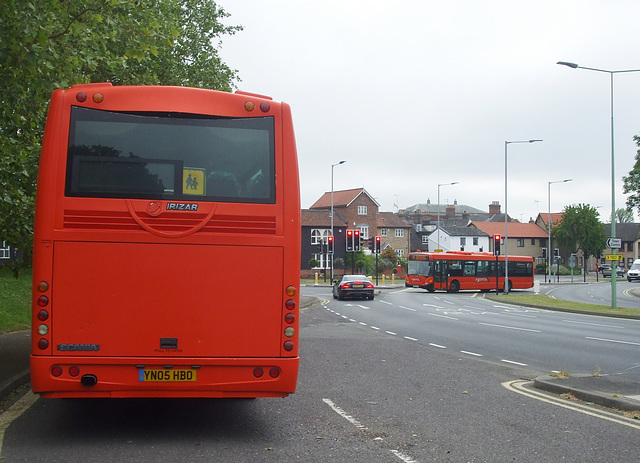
[469,268]
[483,269]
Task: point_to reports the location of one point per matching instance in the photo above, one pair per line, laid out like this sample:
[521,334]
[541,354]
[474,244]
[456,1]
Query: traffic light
[378,241]
[349,240]
[330,244]
[356,240]
[496,245]
[544,253]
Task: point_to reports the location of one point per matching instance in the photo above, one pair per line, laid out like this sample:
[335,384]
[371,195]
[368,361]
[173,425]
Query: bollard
[316,277]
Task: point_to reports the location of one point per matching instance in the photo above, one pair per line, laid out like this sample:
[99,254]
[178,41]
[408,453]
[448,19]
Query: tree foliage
[49,44]
[580,229]
[631,182]
[623,215]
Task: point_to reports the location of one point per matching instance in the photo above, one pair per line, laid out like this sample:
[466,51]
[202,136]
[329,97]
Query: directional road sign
[614,257]
[614,243]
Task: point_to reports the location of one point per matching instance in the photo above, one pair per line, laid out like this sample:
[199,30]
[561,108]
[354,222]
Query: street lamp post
[438,222]
[613,178]
[549,226]
[506,227]
[334,240]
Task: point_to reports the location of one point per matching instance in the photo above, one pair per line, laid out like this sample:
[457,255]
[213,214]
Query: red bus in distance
[460,270]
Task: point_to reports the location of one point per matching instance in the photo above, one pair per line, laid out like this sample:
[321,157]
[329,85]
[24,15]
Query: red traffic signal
[356,240]
[330,244]
[349,240]
[496,245]
[378,242]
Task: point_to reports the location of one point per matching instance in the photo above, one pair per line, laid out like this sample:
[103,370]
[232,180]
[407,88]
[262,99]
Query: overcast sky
[416,93]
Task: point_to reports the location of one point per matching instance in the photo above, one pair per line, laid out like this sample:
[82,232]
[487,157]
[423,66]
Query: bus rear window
[170,156]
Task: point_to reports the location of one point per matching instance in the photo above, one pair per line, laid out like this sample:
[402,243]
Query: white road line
[433,305]
[362,323]
[391,333]
[352,320]
[363,307]
[385,302]
[471,353]
[514,363]
[594,324]
[441,316]
[518,387]
[510,327]
[407,308]
[344,414]
[375,328]
[614,341]
[437,345]
[403,457]
[410,338]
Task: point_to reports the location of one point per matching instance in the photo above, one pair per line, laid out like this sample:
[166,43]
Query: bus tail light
[274,372]
[56,371]
[258,372]
[74,371]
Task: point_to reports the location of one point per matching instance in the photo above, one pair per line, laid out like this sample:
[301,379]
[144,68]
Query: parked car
[603,267]
[634,271]
[607,272]
[353,286]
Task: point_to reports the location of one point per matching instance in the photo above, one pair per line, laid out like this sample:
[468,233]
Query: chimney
[494,208]
[450,212]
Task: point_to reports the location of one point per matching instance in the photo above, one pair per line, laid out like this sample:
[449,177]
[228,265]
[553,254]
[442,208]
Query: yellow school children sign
[193,182]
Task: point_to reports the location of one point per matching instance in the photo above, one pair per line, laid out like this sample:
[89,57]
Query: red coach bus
[166,254]
[453,271]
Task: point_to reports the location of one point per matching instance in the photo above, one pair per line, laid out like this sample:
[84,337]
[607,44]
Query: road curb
[15,381]
[558,386]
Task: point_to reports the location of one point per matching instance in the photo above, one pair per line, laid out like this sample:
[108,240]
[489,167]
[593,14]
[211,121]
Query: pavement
[612,391]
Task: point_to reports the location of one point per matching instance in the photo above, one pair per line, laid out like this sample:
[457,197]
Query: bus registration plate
[166,376]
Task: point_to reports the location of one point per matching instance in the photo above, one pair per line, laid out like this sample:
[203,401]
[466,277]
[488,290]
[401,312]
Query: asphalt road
[364,395]
[596,293]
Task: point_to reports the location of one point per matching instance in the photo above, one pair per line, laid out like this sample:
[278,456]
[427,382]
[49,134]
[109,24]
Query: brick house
[356,207]
[394,232]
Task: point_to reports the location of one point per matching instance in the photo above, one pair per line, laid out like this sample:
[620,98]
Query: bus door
[440,271]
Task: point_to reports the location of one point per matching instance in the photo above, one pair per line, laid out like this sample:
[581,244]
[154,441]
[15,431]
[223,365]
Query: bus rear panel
[166,254]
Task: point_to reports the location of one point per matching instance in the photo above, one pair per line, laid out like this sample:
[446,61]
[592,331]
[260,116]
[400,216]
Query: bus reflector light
[43,286]
[289,318]
[291,291]
[43,330]
[74,371]
[43,301]
[43,344]
[81,97]
[249,106]
[258,372]
[265,107]
[274,372]
[43,315]
[289,332]
[98,97]
[288,346]
[56,371]
[290,304]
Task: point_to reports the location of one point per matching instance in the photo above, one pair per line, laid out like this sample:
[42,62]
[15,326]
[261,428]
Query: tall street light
[549,225]
[506,227]
[613,178]
[334,240]
[438,222]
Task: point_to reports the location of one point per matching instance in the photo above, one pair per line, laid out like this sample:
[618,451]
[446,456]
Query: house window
[533,241]
[399,252]
[5,251]
[425,238]
[323,261]
[362,210]
[463,241]
[364,231]
[320,235]
[383,232]
[521,242]
[418,227]
[399,233]
[475,241]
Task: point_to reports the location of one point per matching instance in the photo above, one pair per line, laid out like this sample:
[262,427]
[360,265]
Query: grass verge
[546,302]
[15,300]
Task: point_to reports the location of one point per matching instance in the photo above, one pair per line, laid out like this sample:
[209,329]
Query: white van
[634,271]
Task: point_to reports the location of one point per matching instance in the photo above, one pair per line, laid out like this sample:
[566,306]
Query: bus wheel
[454,287]
[430,288]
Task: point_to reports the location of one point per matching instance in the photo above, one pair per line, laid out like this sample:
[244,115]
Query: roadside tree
[631,182]
[580,229]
